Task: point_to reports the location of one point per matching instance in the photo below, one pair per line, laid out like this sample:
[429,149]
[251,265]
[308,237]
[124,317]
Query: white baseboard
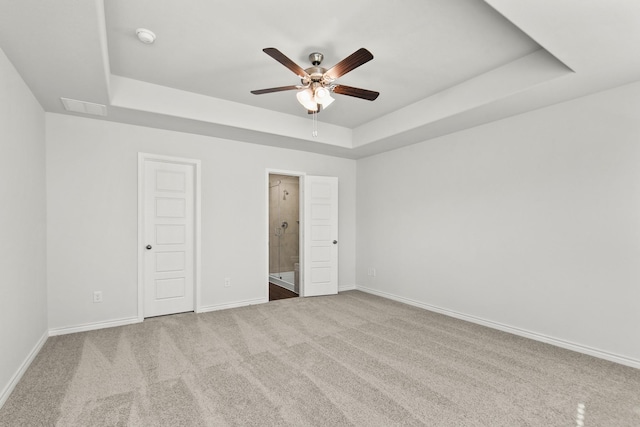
[224,306]
[131,320]
[634,363]
[343,288]
[93,326]
[6,392]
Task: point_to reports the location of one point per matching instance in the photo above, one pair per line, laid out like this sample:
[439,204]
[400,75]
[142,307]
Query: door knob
[335,242]
[148,247]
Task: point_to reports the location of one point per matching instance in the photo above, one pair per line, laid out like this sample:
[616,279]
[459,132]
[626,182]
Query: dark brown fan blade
[274,89]
[281,58]
[349,63]
[369,95]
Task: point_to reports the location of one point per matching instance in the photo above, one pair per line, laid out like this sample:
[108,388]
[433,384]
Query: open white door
[320,264]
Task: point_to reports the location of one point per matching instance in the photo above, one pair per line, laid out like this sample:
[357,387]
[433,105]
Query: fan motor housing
[315,73]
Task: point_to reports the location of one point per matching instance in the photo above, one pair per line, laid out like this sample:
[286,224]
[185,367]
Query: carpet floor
[349,359]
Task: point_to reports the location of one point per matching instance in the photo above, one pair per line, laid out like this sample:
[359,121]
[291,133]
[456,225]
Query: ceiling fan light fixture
[323,96]
[317,82]
[328,101]
[305,98]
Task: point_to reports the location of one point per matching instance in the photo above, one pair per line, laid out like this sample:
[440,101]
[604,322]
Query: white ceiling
[440,65]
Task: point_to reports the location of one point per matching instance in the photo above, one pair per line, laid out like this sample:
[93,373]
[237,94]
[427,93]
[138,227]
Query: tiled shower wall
[281,209]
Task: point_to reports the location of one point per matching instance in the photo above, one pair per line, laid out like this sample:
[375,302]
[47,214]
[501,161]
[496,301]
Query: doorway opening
[284,236]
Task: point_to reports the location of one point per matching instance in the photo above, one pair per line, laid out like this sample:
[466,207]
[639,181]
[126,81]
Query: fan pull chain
[314,132]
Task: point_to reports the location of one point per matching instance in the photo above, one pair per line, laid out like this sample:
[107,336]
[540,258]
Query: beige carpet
[350,359]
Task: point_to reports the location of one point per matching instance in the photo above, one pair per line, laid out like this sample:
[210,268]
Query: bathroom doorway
[284,236]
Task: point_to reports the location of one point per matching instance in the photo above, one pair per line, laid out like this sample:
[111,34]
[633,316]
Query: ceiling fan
[317,82]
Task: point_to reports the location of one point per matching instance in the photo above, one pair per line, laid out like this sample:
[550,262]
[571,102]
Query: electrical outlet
[97,296]
[373,272]
[227,282]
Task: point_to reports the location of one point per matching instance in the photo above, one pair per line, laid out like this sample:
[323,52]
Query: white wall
[23,292]
[532,222]
[92,214]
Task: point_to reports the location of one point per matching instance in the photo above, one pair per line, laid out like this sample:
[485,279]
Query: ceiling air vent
[84,107]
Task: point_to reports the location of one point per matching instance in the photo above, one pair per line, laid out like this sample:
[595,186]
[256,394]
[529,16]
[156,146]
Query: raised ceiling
[440,65]
[420,48]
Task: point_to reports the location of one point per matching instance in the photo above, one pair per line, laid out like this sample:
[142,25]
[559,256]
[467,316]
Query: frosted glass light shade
[323,96]
[305,98]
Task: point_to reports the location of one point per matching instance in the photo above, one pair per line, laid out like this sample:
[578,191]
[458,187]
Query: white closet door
[169,238]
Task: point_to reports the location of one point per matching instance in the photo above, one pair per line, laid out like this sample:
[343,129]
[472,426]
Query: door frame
[300,176]
[142,158]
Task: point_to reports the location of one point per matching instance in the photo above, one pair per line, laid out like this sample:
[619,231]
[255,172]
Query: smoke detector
[145,36]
